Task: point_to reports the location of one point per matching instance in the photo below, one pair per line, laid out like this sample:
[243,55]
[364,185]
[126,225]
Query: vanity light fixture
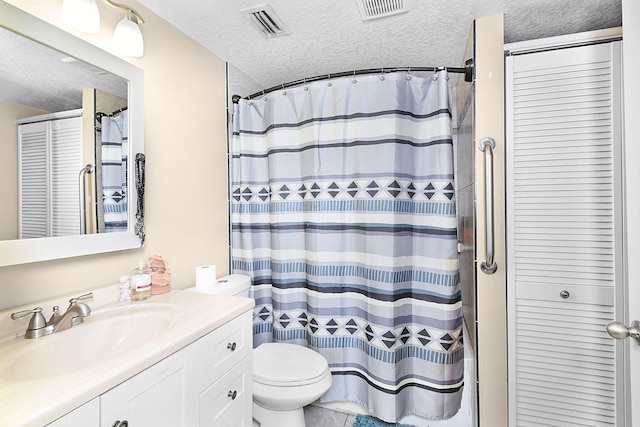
[84,16]
[127,37]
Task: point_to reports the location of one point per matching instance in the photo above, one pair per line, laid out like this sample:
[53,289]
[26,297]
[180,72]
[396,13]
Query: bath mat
[365,421]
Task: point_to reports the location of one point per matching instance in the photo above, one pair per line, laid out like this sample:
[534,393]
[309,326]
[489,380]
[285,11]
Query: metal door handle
[619,331]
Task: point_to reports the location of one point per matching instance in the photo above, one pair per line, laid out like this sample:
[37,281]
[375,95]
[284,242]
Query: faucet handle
[80,298]
[23,313]
[37,321]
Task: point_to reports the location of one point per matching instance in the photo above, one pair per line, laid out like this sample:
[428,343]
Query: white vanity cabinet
[205,384]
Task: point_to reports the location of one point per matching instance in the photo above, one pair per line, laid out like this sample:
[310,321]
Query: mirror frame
[13,252]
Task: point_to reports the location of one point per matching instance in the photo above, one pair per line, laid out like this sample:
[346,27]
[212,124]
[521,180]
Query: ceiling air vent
[83,65]
[375,9]
[266,20]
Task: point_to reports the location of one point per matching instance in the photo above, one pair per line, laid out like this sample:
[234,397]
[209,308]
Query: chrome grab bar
[83,203]
[487,145]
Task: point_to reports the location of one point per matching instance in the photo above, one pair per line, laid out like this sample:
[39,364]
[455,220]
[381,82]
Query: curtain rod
[467,70]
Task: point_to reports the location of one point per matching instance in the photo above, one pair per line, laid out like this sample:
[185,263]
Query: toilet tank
[234,284]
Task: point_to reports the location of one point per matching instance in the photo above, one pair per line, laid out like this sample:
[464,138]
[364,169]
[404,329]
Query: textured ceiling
[328,36]
[34,75]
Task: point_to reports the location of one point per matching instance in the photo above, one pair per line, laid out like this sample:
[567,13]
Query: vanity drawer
[231,343]
[212,370]
[229,400]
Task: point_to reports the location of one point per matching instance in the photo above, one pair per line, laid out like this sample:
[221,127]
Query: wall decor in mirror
[71,123]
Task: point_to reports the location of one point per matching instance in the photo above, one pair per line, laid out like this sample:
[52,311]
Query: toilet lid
[287,365]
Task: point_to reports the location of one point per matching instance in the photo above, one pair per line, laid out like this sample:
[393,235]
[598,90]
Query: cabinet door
[88,415]
[153,398]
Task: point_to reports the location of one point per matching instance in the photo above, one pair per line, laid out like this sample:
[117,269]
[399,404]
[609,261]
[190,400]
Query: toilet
[286,377]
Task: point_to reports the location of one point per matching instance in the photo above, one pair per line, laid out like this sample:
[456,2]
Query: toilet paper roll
[205,276]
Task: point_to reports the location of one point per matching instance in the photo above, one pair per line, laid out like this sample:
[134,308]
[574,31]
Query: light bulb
[82,15]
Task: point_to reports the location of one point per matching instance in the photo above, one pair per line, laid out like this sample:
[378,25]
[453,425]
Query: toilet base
[272,418]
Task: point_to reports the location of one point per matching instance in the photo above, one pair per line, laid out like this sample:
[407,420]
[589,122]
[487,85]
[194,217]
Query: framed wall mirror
[71,124]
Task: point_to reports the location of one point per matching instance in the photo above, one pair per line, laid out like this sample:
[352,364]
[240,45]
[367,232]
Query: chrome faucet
[39,327]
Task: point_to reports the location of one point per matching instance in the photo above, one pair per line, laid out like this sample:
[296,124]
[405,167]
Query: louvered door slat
[600,394]
[562,212]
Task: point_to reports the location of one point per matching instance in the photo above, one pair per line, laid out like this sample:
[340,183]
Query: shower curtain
[115,151]
[343,214]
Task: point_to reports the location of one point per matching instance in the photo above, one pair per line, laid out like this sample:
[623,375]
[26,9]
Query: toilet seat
[287,365]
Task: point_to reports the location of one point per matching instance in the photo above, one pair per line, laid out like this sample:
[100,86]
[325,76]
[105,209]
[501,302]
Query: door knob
[619,331]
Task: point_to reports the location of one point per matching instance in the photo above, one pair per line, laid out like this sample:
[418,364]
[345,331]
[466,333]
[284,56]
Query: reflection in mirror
[71,174]
[71,120]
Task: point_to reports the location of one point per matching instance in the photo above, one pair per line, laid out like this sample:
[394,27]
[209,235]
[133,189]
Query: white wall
[240,84]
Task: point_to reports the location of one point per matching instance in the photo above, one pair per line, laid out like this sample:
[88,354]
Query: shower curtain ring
[284,92]
[408,71]
[435,73]
[329,77]
[382,74]
[306,88]
[354,76]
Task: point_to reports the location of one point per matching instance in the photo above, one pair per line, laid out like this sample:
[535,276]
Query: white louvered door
[50,159]
[564,228]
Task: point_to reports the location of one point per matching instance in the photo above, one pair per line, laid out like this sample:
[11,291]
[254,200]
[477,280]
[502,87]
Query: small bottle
[125,289]
[140,283]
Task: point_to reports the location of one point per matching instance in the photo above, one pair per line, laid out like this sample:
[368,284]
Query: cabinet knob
[231,346]
[119,423]
[233,394]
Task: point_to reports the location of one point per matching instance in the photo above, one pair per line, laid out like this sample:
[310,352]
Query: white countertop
[39,402]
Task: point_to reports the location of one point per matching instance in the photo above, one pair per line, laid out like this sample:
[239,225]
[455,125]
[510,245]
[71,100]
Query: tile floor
[315,416]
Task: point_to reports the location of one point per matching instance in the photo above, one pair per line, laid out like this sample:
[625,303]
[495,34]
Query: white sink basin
[104,334]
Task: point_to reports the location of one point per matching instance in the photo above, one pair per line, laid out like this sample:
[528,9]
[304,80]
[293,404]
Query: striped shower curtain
[115,151]
[343,214]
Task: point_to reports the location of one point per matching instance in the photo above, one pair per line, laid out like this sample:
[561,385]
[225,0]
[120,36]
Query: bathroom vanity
[179,359]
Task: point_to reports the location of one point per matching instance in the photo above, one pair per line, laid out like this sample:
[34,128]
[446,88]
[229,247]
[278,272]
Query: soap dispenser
[140,284]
